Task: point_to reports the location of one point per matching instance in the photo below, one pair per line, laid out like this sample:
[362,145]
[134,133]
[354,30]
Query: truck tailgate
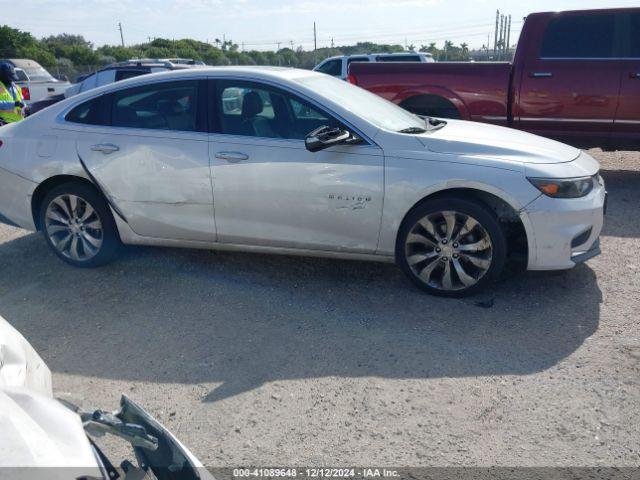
[480,90]
[41,90]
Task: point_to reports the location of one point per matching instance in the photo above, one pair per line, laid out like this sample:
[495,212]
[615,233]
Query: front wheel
[451,247]
[78,226]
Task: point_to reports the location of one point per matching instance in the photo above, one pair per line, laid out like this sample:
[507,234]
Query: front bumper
[15,200]
[565,231]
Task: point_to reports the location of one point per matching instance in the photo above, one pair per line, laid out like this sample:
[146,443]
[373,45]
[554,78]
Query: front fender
[404,191]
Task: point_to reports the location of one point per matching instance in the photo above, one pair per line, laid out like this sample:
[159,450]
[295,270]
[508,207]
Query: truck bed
[479,91]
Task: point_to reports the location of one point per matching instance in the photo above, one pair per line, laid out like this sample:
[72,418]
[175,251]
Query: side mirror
[325,137]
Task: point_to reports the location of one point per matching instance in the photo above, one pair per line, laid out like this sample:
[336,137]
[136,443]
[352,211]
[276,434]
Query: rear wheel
[451,247]
[78,226]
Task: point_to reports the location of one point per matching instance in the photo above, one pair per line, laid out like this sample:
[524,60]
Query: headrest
[252,104]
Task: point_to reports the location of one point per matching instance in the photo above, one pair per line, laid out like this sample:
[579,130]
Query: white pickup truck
[35,81]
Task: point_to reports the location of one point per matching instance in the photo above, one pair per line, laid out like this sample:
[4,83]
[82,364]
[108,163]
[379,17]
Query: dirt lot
[268,360]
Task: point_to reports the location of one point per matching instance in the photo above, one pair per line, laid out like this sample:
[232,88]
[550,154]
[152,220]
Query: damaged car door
[146,147]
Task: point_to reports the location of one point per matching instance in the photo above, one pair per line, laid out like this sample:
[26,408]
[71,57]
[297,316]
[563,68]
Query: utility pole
[315,44]
[121,36]
[331,42]
[495,39]
[291,44]
[488,44]
[501,39]
[508,35]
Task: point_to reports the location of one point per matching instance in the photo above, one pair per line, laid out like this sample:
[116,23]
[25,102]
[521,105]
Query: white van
[339,66]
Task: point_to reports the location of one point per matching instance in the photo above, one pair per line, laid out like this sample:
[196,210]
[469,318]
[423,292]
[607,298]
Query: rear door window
[357,59]
[332,67]
[159,106]
[579,36]
[398,58]
[124,74]
[91,112]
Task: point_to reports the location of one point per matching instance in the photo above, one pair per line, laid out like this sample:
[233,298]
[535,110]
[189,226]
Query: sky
[267,24]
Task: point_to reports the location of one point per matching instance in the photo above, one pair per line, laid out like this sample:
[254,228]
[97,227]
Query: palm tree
[448,45]
[465,50]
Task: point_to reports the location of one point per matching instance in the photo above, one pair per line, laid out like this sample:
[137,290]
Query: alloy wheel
[449,250]
[74,227]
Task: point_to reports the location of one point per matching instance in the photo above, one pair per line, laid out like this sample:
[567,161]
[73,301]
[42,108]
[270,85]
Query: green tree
[465,50]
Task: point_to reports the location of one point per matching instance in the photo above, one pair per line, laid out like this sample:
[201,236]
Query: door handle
[541,74]
[105,148]
[233,157]
[634,75]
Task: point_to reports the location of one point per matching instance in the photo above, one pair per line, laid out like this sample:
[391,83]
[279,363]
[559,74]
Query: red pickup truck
[575,77]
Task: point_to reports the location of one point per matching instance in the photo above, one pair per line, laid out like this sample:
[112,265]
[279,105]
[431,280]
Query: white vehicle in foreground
[290,161]
[45,438]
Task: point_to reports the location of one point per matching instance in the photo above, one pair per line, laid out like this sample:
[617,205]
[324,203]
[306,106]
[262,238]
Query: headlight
[565,187]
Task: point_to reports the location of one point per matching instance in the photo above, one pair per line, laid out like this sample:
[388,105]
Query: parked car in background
[122,71]
[35,81]
[575,77]
[299,163]
[110,74]
[339,66]
[185,61]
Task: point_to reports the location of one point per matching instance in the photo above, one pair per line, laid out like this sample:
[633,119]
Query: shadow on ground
[622,219]
[174,316]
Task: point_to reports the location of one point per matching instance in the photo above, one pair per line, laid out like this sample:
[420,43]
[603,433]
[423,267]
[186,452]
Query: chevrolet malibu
[290,161]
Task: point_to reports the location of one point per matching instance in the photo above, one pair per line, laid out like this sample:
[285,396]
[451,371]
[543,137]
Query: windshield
[372,108]
[22,77]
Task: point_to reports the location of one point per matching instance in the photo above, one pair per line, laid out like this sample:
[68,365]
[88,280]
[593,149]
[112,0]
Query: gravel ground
[268,360]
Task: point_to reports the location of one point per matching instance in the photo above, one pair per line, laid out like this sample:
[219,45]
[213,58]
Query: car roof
[265,72]
[22,62]
[248,73]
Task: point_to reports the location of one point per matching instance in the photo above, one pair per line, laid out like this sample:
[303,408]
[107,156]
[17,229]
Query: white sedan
[290,161]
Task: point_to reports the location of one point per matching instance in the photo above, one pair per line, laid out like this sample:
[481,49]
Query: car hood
[459,137]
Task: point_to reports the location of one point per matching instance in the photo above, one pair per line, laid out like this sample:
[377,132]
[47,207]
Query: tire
[451,247]
[78,226]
